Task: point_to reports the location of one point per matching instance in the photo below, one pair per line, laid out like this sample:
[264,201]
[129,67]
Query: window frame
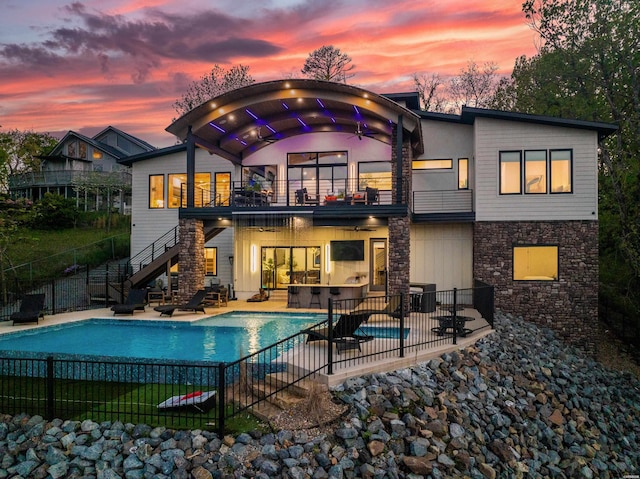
[546,171]
[466,171]
[535,277]
[380,183]
[214,271]
[550,160]
[500,153]
[427,161]
[182,199]
[162,193]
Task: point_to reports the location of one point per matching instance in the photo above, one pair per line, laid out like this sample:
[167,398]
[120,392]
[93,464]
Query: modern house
[84,168]
[317,183]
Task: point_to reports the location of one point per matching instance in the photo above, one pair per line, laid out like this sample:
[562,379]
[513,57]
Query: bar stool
[315,297]
[334,291]
[293,301]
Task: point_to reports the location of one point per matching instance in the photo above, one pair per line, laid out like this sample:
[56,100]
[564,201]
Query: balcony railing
[60,178]
[443,201]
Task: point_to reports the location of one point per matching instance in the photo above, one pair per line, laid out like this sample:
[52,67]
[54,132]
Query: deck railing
[130,391]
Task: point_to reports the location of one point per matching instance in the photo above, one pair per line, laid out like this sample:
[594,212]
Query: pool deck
[347,364]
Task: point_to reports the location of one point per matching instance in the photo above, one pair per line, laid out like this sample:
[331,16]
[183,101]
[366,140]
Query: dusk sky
[86,65]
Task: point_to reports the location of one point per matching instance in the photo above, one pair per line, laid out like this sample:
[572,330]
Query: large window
[561,166]
[177,194]
[510,173]
[445,164]
[535,263]
[285,265]
[319,173]
[535,171]
[374,174]
[156,191]
[211,261]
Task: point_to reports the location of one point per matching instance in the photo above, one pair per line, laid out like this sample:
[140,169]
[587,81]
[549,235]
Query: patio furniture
[393,308]
[372,196]
[195,304]
[315,297]
[155,295]
[292,299]
[447,324]
[344,332]
[31,309]
[303,198]
[136,300]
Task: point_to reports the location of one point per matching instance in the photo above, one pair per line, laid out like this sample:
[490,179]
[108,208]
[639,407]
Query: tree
[588,68]
[475,86]
[431,91]
[216,82]
[19,152]
[109,185]
[328,63]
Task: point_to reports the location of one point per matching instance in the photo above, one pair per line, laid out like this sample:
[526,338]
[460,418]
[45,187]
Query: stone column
[191,257]
[399,226]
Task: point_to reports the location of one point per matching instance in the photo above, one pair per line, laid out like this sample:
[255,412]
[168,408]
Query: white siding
[443,140]
[149,224]
[442,254]
[493,136]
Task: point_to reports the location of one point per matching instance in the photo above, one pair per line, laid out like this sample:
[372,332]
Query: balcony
[60,178]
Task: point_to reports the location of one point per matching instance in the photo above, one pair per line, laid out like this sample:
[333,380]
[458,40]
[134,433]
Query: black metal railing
[154,250]
[388,327]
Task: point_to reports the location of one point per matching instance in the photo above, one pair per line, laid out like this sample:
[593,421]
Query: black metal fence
[79,291]
[357,334]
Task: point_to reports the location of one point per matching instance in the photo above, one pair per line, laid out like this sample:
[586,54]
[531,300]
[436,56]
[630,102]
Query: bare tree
[328,63]
[215,83]
[431,91]
[475,86]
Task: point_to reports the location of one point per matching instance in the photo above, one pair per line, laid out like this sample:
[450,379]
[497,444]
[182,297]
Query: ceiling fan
[360,132]
[266,139]
[358,228]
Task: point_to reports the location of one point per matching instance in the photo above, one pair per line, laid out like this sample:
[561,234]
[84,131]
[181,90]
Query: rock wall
[569,305]
[192,265]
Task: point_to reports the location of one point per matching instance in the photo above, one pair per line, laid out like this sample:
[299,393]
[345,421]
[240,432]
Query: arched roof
[240,122]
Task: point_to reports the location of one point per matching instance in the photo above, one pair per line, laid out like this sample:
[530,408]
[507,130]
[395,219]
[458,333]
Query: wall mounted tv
[347,250]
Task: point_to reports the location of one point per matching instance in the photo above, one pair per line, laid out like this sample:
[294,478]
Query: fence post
[402,312]
[222,400]
[53,296]
[50,387]
[455,315]
[330,342]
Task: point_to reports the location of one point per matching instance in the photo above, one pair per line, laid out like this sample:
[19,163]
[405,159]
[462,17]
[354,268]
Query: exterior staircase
[162,253]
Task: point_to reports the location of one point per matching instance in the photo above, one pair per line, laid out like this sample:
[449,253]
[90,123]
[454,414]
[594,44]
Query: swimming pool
[224,337]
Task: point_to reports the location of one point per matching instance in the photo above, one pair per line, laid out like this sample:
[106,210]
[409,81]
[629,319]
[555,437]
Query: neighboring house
[86,169]
[310,182]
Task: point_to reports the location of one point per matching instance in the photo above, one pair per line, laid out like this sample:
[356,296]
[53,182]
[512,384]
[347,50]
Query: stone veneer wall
[399,227]
[568,306]
[192,265]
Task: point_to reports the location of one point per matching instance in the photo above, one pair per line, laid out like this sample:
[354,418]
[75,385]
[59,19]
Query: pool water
[225,337]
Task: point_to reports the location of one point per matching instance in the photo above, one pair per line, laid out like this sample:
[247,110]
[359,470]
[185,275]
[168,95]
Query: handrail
[155,249]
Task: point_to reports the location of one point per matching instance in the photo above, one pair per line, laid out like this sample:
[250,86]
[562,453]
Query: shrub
[55,212]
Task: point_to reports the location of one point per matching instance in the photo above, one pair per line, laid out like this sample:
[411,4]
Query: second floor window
[177,190]
[156,191]
[374,174]
[510,172]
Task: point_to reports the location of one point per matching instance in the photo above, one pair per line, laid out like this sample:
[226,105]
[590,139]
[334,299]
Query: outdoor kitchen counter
[304,299]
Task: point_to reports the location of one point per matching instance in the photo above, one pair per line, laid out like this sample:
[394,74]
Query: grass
[40,254]
[110,401]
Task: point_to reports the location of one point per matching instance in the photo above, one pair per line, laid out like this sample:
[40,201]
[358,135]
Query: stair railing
[155,249]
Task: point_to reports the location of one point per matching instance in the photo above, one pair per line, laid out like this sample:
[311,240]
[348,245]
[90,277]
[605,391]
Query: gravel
[518,403]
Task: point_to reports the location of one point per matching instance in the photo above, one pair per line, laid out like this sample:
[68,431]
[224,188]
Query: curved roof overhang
[241,122]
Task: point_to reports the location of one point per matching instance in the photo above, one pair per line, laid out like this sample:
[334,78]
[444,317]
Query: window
[177,191]
[156,191]
[463,173]
[374,174]
[535,263]
[211,261]
[561,171]
[319,173]
[432,164]
[535,171]
[223,188]
[510,173]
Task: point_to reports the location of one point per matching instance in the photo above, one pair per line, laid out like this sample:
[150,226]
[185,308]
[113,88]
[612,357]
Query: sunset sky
[85,65]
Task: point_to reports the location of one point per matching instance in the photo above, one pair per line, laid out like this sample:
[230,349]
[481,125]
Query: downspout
[399,160]
[191,169]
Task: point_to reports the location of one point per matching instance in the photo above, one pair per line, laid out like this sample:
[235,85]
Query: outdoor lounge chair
[136,300]
[344,332]
[392,308]
[198,400]
[31,309]
[195,304]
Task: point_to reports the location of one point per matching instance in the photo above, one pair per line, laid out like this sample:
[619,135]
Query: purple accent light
[270,129]
[320,102]
[301,122]
[219,128]
[285,106]
[251,113]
